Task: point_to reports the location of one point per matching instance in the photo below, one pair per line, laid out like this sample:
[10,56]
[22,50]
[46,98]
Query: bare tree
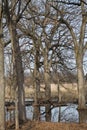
[69,15]
[12,18]
[43,39]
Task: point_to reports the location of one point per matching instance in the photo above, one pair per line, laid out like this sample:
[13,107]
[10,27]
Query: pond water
[68,113]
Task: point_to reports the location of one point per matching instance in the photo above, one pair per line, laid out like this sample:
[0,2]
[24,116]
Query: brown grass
[66,90]
[53,126]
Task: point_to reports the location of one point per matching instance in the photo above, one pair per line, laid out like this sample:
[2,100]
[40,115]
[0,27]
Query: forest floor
[32,125]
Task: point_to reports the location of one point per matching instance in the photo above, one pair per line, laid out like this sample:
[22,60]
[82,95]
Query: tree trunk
[47,86]
[36,97]
[15,84]
[82,115]
[20,78]
[79,61]
[59,100]
[2,87]
[16,110]
[36,84]
[19,73]
[81,91]
[48,96]
[80,74]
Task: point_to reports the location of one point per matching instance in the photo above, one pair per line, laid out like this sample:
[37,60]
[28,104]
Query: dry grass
[53,126]
[66,90]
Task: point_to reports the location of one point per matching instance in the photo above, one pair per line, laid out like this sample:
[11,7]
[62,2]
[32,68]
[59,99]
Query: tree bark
[20,99]
[20,78]
[47,85]
[80,74]
[59,100]
[82,116]
[36,97]
[48,96]
[36,83]
[2,87]
[15,83]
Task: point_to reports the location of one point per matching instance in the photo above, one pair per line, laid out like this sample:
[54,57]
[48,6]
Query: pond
[68,113]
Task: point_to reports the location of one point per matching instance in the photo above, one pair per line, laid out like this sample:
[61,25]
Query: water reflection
[68,113]
[29,112]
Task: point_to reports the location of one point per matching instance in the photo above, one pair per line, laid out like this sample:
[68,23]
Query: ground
[32,125]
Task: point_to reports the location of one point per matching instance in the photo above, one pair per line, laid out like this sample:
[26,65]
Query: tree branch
[18,18]
[68,2]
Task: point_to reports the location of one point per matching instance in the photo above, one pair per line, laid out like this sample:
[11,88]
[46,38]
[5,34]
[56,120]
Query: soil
[32,125]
